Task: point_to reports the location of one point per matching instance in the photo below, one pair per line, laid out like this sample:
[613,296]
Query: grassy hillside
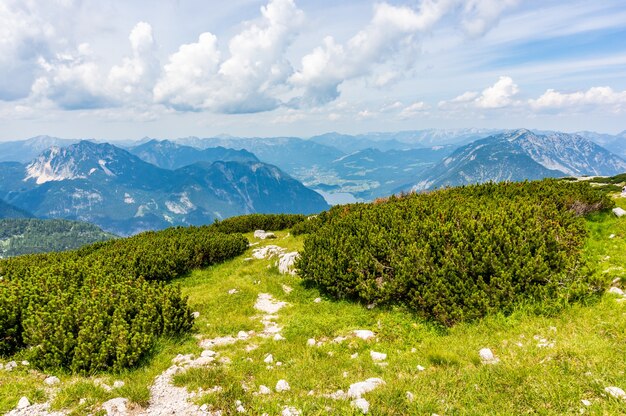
[29,236]
[547,364]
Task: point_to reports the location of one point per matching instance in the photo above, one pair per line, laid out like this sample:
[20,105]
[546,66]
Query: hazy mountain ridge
[521,155]
[110,187]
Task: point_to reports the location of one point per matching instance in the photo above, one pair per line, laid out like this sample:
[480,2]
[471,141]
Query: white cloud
[499,95]
[250,80]
[134,78]
[482,15]
[414,109]
[597,97]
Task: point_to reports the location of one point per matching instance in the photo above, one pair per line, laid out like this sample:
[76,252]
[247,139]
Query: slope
[548,364]
[28,236]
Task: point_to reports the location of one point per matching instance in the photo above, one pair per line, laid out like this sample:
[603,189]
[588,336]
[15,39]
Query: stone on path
[51,380]
[286,262]
[365,334]
[116,407]
[23,403]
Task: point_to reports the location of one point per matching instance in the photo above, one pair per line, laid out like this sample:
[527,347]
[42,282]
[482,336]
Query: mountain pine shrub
[102,307]
[461,253]
[252,222]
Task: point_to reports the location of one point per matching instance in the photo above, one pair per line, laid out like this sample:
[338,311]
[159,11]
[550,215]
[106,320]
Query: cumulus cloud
[135,77]
[75,80]
[24,37]
[414,109]
[249,80]
[499,95]
[603,97]
[481,15]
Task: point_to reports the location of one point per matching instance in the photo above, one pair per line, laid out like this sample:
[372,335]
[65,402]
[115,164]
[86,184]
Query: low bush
[103,306]
[461,253]
[252,222]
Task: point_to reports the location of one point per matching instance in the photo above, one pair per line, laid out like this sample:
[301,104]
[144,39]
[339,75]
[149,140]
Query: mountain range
[152,184]
[520,155]
[121,193]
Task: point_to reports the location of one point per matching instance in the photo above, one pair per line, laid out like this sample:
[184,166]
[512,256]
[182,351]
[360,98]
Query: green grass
[589,351]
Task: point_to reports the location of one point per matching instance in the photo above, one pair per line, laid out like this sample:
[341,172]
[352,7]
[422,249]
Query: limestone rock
[51,380]
[616,392]
[286,263]
[378,356]
[23,403]
[365,334]
[357,390]
[361,404]
[487,356]
[619,212]
[116,407]
[282,385]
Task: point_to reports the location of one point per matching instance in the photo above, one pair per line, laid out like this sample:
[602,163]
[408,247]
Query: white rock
[290,411]
[269,359]
[261,234]
[612,236]
[420,368]
[204,407]
[115,407]
[355,355]
[264,390]
[364,334]
[378,356]
[586,402]
[267,252]
[361,404]
[232,291]
[286,262]
[118,384]
[242,335]
[317,300]
[487,357]
[195,315]
[266,303]
[25,363]
[410,397]
[287,289]
[339,340]
[310,342]
[357,390]
[282,385]
[619,212]
[10,365]
[208,353]
[241,409]
[616,392]
[23,403]
[278,337]
[51,380]
[616,291]
[338,395]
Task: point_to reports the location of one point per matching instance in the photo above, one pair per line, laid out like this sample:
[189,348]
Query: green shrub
[103,306]
[252,222]
[458,254]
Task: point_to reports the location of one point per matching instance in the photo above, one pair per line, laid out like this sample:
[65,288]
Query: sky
[174,68]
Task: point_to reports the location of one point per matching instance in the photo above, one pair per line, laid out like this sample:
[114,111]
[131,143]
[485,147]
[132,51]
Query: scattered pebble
[282,385]
[23,403]
[242,335]
[361,404]
[51,380]
[195,315]
[616,291]
[290,411]
[357,390]
[232,291]
[616,392]
[118,384]
[115,407]
[355,355]
[410,397]
[310,342]
[264,390]
[269,358]
[487,356]
[317,300]
[420,368]
[364,334]
[378,356]
[278,337]
[287,289]
[586,402]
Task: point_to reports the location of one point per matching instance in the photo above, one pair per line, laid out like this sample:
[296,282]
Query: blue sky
[175,68]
